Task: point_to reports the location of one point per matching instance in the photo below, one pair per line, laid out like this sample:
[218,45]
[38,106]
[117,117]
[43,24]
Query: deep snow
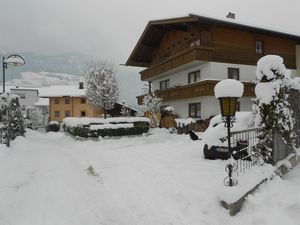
[155,180]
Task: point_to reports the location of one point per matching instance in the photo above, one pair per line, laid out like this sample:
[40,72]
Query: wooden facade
[168,44]
[199,89]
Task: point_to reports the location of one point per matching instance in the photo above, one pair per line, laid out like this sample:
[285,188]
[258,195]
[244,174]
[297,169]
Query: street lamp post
[12,60]
[227,92]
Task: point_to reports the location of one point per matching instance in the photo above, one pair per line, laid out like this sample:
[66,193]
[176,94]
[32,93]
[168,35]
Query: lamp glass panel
[228,106]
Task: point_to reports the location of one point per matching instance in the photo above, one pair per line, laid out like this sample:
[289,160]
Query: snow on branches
[102,87]
[271,108]
[151,105]
[11,118]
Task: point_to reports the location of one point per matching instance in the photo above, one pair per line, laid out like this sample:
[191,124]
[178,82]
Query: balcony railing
[201,88]
[184,57]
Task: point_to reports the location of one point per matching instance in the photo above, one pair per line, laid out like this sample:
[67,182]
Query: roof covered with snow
[42,102]
[62,90]
[155,31]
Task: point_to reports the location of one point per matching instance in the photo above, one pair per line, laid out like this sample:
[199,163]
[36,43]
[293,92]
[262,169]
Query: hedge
[53,126]
[110,127]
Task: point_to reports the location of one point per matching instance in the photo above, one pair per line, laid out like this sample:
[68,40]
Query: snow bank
[246,182]
[184,122]
[79,121]
[229,88]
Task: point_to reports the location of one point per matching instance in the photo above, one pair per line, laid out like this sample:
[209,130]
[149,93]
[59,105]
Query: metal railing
[244,150]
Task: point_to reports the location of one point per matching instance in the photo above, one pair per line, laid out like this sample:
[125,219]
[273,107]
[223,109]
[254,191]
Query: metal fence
[244,144]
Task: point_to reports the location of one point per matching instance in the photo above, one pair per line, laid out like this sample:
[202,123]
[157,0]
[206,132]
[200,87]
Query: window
[195,110]
[164,84]
[57,113]
[194,76]
[195,43]
[56,101]
[67,113]
[259,47]
[234,73]
[82,100]
[23,107]
[82,113]
[67,101]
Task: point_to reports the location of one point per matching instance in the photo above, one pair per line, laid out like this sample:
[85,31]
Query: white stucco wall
[31,96]
[209,70]
[209,106]
[181,77]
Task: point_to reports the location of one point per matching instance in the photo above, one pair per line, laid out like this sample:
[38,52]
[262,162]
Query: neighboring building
[28,96]
[185,57]
[116,111]
[68,101]
[71,101]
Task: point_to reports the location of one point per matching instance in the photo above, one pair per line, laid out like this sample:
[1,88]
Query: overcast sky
[110,29]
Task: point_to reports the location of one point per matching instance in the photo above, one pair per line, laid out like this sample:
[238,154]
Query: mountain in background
[45,70]
[69,63]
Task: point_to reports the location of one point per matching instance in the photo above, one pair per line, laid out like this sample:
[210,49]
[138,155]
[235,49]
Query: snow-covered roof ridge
[62,90]
[42,102]
[246,25]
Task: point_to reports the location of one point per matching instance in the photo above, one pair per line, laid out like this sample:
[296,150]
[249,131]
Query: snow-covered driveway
[155,180]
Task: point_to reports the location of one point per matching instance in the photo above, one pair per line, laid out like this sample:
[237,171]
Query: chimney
[230,15]
[80,85]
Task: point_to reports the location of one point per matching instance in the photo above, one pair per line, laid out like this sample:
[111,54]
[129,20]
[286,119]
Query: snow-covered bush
[271,108]
[125,111]
[183,126]
[102,87]
[4,119]
[151,105]
[96,127]
[11,118]
[16,119]
[53,126]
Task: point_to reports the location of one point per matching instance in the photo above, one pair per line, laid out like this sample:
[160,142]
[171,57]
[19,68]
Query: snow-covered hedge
[53,126]
[96,127]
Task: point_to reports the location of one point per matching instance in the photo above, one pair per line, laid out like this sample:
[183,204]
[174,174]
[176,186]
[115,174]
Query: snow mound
[216,133]
[229,88]
[79,121]
[111,126]
[269,63]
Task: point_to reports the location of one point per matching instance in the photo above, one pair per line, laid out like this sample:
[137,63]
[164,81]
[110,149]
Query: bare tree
[151,105]
[102,87]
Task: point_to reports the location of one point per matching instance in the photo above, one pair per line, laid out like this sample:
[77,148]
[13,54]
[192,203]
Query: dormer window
[259,47]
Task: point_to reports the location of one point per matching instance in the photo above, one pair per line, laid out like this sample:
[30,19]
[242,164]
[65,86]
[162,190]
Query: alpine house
[185,58]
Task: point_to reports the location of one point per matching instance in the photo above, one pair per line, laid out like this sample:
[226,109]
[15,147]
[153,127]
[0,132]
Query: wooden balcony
[202,88]
[195,53]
